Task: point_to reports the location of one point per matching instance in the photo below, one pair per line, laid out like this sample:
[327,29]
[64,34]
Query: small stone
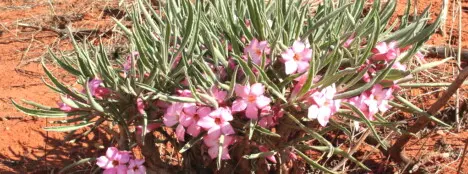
[440,132]
[445,155]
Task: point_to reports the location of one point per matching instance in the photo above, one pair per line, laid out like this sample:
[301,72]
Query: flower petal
[227,129]
[251,112]
[239,105]
[206,122]
[257,89]
[242,91]
[262,101]
[180,132]
[290,67]
[298,46]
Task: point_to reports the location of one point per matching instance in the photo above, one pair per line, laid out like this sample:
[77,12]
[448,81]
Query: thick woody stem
[396,151]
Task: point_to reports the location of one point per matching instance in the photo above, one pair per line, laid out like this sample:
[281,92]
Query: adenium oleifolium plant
[246,81]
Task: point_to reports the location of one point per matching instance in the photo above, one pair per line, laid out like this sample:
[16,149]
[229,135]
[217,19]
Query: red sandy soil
[26,148]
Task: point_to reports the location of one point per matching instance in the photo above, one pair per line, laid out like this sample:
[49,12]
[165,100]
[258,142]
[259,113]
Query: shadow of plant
[58,154]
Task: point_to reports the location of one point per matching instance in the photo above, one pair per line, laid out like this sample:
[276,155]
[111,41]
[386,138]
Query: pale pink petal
[324,116]
[112,153]
[203,111]
[262,101]
[257,89]
[242,91]
[225,154]
[288,55]
[251,112]
[190,108]
[239,105]
[290,67]
[213,152]
[180,132]
[194,130]
[206,122]
[313,112]
[298,46]
[380,48]
[104,162]
[214,132]
[226,114]
[210,142]
[306,55]
[302,66]
[227,129]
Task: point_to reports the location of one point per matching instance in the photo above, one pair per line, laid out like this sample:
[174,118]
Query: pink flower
[251,99]
[184,93]
[97,90]
[217,123]
[297,58]
[377,100]
[359,102]
[140,106]
[114,161]
[64,107]
[385,52]
[213,146]
[269,116]
[256,50]
[300,83]
[270,158]
[219,95]
[193,114]
[136,167]
[399,66]
[173,116]
[348,42]
[128,62]
[324,105]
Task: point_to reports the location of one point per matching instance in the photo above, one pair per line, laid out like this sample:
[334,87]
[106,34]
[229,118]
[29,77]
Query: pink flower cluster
[372,101]
[323,105]
[383,53]
[120,162]
[194,118]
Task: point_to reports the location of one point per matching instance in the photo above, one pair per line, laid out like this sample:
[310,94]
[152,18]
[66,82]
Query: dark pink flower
[97,90]
[136,167]
[270,158]
[64,107]
[140,106]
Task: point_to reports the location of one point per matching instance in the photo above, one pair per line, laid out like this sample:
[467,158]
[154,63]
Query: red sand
[25,147]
